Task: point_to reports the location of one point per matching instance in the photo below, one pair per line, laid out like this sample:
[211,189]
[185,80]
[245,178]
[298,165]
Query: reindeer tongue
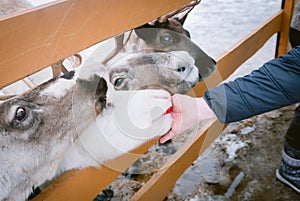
[169,110]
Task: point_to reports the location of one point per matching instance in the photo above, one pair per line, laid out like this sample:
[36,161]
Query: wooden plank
[78,185]
[283,35]
[246,48]
[34,39]
[239,53]
[85,184]
[163,181]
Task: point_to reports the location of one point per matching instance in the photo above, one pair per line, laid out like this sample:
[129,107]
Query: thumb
[167,137]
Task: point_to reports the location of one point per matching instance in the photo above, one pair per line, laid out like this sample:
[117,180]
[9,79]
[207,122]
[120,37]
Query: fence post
[283,36]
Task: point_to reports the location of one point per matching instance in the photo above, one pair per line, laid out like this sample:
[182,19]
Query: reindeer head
[37,127]
[172,71]
[170,35]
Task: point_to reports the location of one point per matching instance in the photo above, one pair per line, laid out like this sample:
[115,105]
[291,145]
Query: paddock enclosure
[35,38]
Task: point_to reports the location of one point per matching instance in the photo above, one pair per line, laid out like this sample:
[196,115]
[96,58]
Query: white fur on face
[134,118]
[183,58]
[136,112]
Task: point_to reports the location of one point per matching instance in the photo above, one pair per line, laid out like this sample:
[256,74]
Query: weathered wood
[229,62]
[283,35]
[78,185]
[33,39]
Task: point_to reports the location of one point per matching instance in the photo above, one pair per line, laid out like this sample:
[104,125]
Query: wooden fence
[34,39]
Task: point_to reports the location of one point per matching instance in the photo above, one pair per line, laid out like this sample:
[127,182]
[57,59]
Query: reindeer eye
[20,114]
[167,38]
[118,82]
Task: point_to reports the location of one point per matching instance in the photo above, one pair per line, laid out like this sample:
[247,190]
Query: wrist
[204,111]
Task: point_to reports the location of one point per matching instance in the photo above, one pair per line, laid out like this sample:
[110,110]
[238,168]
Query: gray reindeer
[38,127]
[74,121]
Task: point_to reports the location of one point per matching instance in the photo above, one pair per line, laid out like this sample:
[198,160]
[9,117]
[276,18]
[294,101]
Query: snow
[246,130]
[232,144]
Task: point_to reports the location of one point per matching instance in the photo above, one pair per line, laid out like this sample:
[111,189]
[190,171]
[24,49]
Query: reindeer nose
[180,69]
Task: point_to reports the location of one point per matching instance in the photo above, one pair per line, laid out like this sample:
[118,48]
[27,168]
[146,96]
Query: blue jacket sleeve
[272,86]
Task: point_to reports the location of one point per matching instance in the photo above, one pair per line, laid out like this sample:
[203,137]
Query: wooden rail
[87,183]
[36,38]
[239,53]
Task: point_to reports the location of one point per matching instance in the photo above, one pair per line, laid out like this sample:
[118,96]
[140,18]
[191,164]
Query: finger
[176,103]
[167,137]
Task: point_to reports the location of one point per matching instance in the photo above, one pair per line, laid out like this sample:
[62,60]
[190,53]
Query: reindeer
[38,127]
[42,136]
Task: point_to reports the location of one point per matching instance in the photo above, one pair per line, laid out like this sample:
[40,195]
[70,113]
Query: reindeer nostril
[180,69]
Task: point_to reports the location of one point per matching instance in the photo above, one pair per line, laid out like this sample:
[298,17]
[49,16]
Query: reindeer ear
[182,19]
[146,32]
[102,87]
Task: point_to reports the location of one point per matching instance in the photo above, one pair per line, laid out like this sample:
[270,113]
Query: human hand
[187,112]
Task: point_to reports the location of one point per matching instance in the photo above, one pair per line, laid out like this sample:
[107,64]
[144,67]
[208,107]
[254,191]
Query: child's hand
[187,112]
